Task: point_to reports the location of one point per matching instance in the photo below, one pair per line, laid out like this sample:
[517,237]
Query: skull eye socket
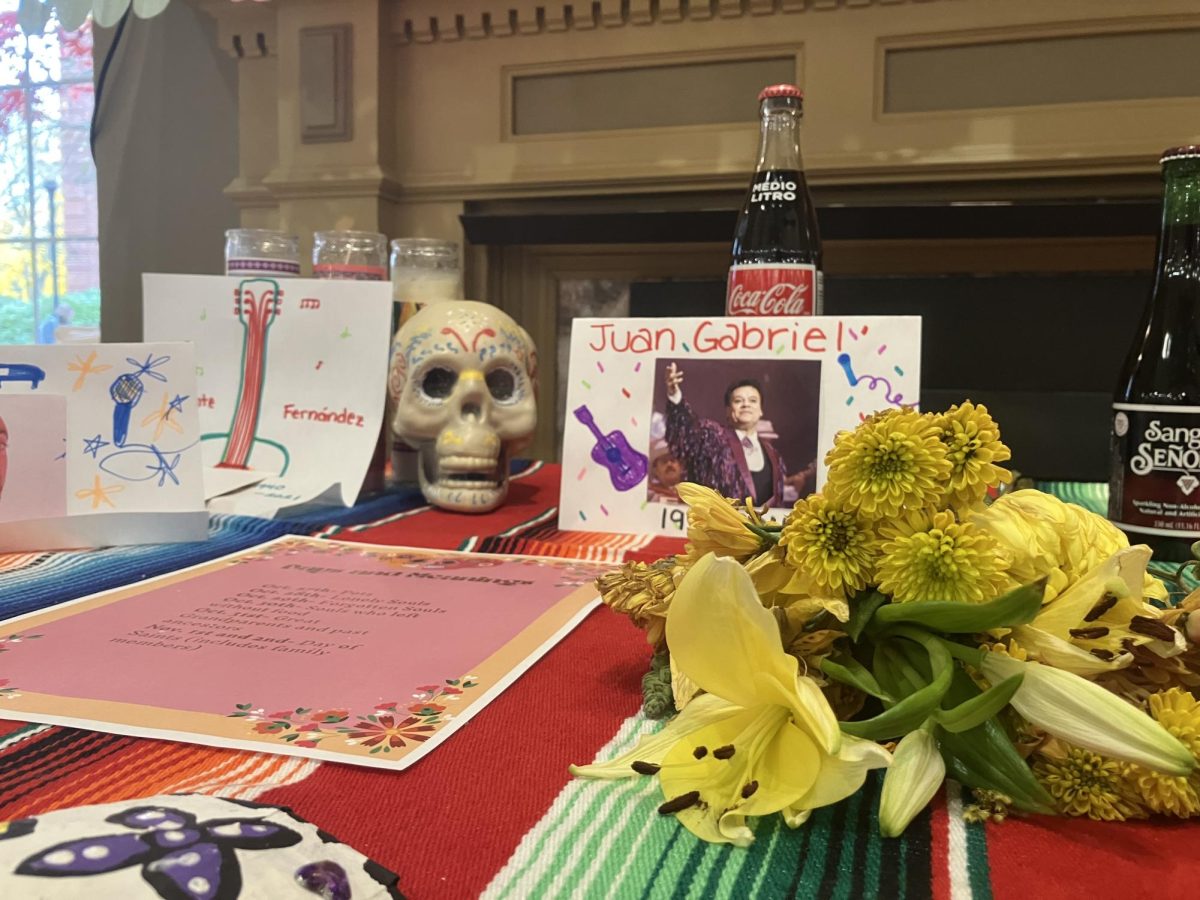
[501,384]
[438,383]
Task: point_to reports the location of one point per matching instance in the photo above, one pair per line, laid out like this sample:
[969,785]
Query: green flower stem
[768,534]
[910,712]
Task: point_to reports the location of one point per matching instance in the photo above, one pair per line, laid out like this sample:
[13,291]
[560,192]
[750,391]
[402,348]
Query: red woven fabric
[449,823]
[1048,858]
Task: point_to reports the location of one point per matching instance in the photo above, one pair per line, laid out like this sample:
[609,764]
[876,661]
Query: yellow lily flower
[762,739]
[1096,614]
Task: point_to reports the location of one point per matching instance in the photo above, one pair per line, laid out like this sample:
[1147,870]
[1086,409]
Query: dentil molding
[427,21]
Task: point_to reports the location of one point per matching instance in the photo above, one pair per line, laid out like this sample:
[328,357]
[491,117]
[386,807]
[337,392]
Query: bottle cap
[1190,151]
[781,90]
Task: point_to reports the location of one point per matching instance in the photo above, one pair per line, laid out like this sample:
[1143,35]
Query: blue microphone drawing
[127,390]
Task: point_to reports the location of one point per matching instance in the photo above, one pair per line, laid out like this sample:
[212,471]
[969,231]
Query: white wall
[166,149]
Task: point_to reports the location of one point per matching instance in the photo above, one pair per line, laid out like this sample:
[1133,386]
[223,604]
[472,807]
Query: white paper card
[99,445]
[627,440]
[292,376]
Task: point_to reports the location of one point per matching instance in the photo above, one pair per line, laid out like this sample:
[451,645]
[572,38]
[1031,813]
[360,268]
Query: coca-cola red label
[772,289]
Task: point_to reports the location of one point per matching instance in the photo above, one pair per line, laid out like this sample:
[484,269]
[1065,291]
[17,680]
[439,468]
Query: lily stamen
[680,803]
[700,752]
[749,789]
[724,752]
[644,768]
[1107,602]
[1152,628]
[1087,634]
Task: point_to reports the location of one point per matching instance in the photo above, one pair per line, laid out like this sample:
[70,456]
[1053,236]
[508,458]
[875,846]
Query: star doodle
[161,418]
[93,445]
[85,367]
[177,404]
[99,493]
[164,469]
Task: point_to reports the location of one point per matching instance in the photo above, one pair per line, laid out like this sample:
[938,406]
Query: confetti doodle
[686,348]
[873,381]
[634,421]
[853,333]
[586,385]
[625,391]
[865,329]
[638,367]
[99,493]
[882,349]
[604,509]
[582,516]
[850,400]
[600,366]
[582,473]
[899,371]
[85,367]
[320,362]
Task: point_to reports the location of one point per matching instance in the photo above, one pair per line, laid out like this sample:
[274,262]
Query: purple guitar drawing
[626,466]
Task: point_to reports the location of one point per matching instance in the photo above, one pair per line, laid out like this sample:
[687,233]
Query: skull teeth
[467,463]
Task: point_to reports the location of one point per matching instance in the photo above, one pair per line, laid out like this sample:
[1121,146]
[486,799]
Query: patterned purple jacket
[713,455]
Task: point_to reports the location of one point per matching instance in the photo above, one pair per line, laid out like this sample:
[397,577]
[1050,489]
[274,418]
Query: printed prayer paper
[741,405]
[353,653]
[99,445]
[292,375]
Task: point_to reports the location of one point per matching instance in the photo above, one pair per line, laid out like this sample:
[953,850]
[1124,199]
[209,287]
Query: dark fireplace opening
[1026,307]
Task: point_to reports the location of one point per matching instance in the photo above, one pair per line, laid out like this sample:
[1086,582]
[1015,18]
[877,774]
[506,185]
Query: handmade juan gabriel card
[99,445]
[292,379]
[347,652]
[741,405]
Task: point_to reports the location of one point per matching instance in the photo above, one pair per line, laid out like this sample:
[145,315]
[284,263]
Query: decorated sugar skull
[463,380]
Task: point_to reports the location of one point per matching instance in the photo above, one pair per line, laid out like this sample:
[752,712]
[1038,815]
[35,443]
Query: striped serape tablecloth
[493,811]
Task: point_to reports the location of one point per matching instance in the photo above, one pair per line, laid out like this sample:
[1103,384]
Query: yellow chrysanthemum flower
[830,545]
[891,462]
[934,557]
[973,446]
[642,592]
[1179,713]
[1045,537]
[1086,784]
[716,525]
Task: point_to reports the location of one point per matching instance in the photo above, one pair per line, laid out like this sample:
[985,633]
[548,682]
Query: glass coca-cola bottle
[1154,492]
[776,267]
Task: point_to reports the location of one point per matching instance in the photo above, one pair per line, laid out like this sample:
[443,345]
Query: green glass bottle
[1154,491]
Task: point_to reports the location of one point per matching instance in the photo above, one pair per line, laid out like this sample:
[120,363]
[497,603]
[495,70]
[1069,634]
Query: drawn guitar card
[292,376]
[741,405]
[99,445]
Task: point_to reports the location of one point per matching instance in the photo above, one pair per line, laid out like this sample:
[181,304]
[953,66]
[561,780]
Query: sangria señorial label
[771,289]
[1156,469]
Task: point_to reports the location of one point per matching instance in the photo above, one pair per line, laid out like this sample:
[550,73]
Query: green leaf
[242,705]
[987,753]
[849,670]
[862,608]
[974,712]
[912,711]
[1016,607]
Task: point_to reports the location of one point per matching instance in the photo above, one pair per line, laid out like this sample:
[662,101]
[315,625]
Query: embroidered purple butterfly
[180,858]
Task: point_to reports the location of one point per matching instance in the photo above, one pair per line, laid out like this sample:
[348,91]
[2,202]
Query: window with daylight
[49,253]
